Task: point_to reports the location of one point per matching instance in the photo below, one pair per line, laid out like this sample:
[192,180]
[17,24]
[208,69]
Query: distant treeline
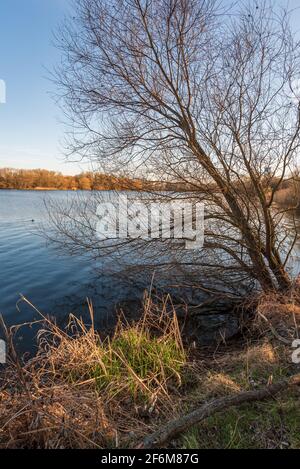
[44,179]
[35,179]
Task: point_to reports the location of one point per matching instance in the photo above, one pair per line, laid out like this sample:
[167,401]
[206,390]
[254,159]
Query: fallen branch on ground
[180,425]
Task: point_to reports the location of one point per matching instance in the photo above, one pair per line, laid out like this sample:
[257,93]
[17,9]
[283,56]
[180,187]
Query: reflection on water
[58,284]
[293,221]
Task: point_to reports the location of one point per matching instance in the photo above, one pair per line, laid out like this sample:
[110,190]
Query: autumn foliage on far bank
[23,179]
[35,179]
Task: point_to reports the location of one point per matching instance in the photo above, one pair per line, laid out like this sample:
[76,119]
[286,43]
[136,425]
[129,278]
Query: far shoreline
[41,189]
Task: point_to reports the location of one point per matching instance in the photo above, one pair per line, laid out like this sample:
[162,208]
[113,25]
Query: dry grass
[272,423]
[279,314]
[80,391]
[231,372]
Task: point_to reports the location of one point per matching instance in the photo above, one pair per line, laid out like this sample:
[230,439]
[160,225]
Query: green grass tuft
[136,359]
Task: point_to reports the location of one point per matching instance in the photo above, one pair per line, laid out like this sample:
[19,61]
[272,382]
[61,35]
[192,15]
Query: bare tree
[192,92]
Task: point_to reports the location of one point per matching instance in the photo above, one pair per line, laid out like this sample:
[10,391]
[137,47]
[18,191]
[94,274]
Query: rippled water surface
[55,283]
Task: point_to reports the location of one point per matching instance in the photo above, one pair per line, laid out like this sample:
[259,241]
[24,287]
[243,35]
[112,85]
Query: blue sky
[31,128]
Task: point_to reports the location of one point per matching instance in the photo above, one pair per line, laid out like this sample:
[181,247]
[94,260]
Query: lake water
[57,284]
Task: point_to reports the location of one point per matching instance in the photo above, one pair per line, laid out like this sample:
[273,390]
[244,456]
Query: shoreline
[151,378]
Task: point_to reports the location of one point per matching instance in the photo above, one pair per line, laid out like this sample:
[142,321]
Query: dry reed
[80,391]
